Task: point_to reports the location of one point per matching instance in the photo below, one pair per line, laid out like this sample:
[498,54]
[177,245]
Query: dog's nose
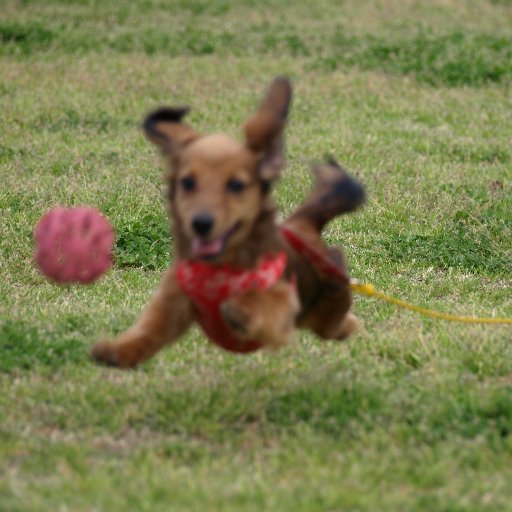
[202,224]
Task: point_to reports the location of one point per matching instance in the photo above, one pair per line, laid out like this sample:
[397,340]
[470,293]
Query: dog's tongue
[203,248]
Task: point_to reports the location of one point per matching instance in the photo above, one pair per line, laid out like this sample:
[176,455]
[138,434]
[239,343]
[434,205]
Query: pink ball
[73,244]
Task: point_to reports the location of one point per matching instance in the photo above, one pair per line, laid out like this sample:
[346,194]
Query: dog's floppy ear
[264,131]
[164,127]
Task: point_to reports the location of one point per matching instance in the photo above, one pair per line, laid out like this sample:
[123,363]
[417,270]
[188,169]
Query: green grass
[410,414]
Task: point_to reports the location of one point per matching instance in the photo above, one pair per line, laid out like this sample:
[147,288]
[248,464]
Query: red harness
[208,286]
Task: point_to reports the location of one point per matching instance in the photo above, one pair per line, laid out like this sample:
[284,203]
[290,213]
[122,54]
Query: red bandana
[208,286]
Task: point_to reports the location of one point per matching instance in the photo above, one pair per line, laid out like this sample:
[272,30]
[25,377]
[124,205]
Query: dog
[248,282]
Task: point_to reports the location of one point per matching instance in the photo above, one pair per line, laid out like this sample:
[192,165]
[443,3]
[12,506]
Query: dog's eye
[236,186]
[188,183]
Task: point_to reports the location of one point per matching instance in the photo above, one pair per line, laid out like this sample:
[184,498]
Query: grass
[411,413]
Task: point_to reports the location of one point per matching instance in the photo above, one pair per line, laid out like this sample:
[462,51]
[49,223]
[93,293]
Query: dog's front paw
[238,319]
[247,322]
[103,352]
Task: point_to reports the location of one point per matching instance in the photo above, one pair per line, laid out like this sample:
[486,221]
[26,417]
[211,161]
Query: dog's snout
[202,224]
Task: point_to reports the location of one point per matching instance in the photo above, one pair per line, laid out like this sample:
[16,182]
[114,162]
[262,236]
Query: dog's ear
[264,131]
[164,127]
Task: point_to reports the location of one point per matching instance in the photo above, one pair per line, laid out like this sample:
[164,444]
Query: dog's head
[217,185]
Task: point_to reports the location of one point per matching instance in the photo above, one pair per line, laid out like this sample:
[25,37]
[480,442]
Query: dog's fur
[222,213]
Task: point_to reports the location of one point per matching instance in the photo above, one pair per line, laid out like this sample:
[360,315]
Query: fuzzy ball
[73,245]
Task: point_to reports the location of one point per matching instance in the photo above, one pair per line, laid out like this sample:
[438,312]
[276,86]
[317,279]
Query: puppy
[247,281]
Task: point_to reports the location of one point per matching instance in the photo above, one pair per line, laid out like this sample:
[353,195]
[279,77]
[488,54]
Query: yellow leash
[371,291]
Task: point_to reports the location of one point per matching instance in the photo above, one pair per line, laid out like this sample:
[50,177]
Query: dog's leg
[330,316]
[265,315]
[335,327]
[347,326]
[167,317]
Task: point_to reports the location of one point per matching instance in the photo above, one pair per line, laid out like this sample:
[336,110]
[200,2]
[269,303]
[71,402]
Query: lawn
[411,414]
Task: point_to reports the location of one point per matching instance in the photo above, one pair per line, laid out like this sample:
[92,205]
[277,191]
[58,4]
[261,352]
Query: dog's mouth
[209,249]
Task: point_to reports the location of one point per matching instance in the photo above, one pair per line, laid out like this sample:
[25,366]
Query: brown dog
[224,223]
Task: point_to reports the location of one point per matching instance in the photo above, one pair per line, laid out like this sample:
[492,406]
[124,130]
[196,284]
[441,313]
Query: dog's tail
[335,192]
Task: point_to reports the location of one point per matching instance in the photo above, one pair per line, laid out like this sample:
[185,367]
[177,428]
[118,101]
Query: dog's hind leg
[167,317]
[330,317]
[335,193]
[334,327]
[327,300]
